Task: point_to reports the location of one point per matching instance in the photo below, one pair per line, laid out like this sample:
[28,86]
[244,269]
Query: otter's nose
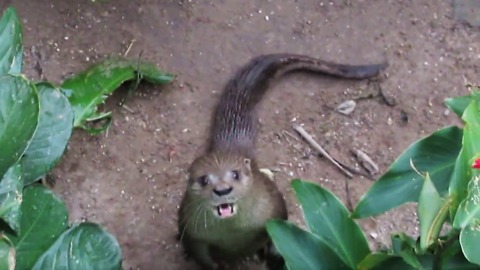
[222,192]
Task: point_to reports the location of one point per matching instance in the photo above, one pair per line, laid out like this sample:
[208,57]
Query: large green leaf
[302,249]
[11,48]
[426,261]
[435,154]
[43,218]
[329,219]
[53,132]
[7,255]
[459,182]
[448,257]
[468,212]
[458,104]
[372,260]
[459,262]
[83,246]
[464,190]
[11,197]
[470,242]
[382,261]
[17,64]
[88,89]
[432,211]
[19,111]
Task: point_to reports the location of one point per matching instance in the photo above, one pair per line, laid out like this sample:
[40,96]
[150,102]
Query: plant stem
[437,261]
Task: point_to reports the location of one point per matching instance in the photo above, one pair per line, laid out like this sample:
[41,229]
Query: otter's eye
[236,175]
[203,180]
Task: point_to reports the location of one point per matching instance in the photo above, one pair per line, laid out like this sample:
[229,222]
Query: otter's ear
[247,163]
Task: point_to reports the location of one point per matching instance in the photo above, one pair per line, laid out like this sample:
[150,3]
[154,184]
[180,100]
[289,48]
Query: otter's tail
[234,121]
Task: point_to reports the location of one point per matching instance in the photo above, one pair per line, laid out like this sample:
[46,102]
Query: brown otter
[228,200]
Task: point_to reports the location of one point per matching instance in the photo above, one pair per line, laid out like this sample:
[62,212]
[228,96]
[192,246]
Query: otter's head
[220,182]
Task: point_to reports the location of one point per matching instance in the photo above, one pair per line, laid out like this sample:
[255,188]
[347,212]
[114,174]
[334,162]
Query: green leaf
[329,219]
[149,72]
[410,258]
[470,242]
[459,182]
[464,189]
[53,132]
[435,154]
[402,241]
[404,246]
[106,121]
[432,211]
[468,212]
[459,262]
[381,261]
[83,246]
[301,249]
[454,260]
[450,244]
[44,217]
[19,111]
[17,64]
[11,197]
[11,48]
[458,104]
[373,260]
[7,255]
[87,90]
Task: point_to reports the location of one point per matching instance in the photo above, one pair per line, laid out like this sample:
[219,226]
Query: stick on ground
[317,147]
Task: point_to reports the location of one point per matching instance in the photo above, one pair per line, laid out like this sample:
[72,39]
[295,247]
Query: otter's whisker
[187,220]
[205,218]
[198,214]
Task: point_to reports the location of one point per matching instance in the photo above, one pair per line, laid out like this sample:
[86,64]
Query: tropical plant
[435,172]
[36,121]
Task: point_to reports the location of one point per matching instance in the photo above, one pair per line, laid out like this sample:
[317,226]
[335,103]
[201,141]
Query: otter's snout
[222,192]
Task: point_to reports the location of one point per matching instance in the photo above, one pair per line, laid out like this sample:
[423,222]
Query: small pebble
[346,107]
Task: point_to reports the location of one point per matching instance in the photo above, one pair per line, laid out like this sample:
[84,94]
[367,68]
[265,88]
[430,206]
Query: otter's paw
[268,173]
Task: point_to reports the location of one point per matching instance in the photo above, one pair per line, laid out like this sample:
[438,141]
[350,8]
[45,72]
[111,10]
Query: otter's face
[220,183]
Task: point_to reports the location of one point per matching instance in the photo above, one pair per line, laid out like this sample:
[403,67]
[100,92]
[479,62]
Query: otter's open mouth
[225,210]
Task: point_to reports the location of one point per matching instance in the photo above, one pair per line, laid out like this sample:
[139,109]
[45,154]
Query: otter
[228,201]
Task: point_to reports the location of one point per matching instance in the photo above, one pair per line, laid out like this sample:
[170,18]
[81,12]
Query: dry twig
[366,162]
[129,47]
[317,147]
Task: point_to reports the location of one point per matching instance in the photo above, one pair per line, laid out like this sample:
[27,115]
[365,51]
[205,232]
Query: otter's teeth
[225,210]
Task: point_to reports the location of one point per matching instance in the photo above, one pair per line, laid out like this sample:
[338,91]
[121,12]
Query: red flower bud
[476,164]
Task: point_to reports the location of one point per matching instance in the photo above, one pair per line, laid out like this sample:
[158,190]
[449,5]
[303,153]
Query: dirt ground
[131,179]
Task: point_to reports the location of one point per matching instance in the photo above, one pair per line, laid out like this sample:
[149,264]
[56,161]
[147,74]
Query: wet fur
[235,237]
[212,241]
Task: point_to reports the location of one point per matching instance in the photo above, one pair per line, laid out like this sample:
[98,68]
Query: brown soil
[131,178]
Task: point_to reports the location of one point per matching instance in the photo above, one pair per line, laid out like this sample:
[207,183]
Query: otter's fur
[228,200]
